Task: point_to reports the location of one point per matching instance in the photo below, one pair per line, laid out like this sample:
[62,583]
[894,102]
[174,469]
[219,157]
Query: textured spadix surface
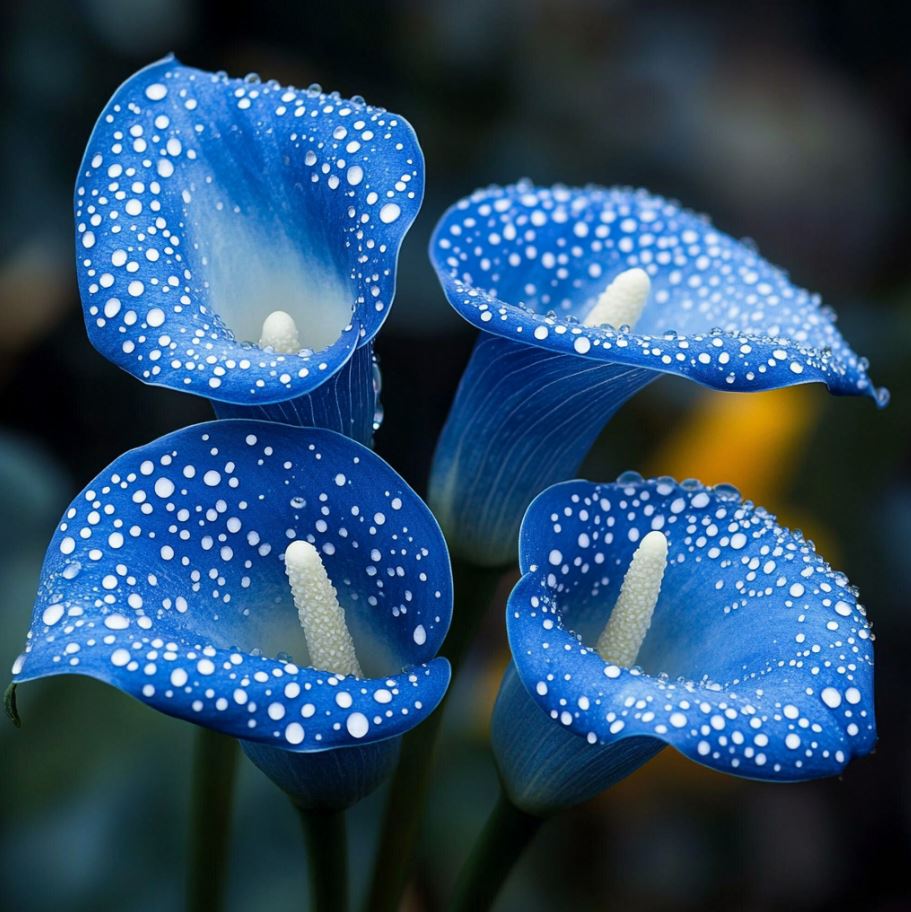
[205,203]
[758,662]
[165,579]
[526,265]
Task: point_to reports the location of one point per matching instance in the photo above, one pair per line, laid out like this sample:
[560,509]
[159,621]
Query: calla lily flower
[583,297]
[183,573]
[653,613]
[239,239]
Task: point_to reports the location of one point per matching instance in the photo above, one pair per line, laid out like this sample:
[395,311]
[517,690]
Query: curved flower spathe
[758,662]
[166,579]
[529,267]
[205,204]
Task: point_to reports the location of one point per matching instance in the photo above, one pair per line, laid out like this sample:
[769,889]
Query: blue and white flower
[183,573]
[653,613]
[239,239]
[583,297]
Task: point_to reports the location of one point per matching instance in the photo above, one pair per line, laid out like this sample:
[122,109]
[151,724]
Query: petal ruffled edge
[257,699]
[786,730]
[224,369]
[228,689]
[725,360]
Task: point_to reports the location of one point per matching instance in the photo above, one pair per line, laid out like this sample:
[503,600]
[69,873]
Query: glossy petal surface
[528,263]
[205,203]
[544,766]
[165,579]
[347,402]
[523,419]
[759,660]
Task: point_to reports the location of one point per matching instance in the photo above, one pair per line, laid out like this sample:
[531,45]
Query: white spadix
[621,303]
[322,617]
[280,333]
[622,637]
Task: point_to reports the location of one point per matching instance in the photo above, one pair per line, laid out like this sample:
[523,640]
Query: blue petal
[203,203]
[326,780]
[527,263]
[524,265]
[348,402]
[543,766]
[523,418]
[759,661]
[165,579]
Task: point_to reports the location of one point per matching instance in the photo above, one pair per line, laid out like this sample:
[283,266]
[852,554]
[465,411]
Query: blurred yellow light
[755,441]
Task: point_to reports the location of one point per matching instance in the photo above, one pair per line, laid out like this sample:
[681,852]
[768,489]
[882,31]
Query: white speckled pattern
[165,578]
[759,659]
[205,203]
[528,263]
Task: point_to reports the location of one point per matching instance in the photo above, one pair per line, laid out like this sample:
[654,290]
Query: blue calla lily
[526,265]
[204,204]
[165,578]
[758,662]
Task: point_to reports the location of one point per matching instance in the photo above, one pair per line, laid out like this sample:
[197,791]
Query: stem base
[214,768]
[505,836]
[327,857]
[474,590]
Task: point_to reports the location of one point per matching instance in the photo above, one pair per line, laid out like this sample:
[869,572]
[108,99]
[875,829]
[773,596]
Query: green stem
[506,835]
[327,857]
[474,589]
[214,766]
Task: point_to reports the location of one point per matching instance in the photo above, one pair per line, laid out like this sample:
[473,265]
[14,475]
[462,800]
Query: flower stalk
[505,837]
[214,772]
[475,588]
[325,835]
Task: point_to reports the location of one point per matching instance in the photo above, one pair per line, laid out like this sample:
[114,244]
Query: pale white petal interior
[253,268]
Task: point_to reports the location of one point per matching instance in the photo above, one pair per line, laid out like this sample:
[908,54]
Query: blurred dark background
[787,122]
